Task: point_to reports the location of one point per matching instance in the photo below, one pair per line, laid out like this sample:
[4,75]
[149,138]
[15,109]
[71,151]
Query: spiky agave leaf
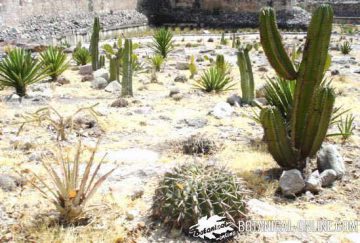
[163,42]
[18,70]
[214,80]
[81,56]
[72,190]
[54,59]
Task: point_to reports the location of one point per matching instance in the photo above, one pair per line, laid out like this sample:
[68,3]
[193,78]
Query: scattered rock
[145,110]
[328,177]
[120,103]
[63,80]
[262,69]
[313,182]
[182,66]
[329,157]
[132,214]
[177,97]
[87,77]
[113,87]
[102,73]
[85,69]
[210,40]
[197,122]
[262,101]
[99,83]
[9,183]
[222,110]
[84,121]
[234,100]
[181,78]
[260,92]
[174,91]
[335,72]
[291,182]
[134,155]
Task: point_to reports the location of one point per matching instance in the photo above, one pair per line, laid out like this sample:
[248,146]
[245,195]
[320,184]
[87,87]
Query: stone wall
[220,13]
[12,11]
[341,8]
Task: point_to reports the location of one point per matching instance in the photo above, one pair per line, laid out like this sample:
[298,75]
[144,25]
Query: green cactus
[247,78]
[233,45]
[94,44]
[196,190]
[223,41]
[313,101]
[127,69]
[102,61]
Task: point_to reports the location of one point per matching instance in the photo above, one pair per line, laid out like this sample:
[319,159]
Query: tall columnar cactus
[290,144]
[127,69]
[246,74]
[94,44]
[113,68]
[102,61]
[233,45]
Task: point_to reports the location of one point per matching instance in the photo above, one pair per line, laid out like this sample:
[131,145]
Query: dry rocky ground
[145,138]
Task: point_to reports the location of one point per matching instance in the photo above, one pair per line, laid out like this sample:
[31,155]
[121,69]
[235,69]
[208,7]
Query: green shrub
[54,60]
[81,56]
[214,80]
[18,70]
[157,61]
[345,48]
[196,190]
[163,42]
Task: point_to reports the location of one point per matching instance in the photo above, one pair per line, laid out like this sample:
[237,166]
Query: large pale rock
[222,110]
[182,66]
[234,100]
[291,182]
[86,69]
[313,182]
[113,87]
[103,73]
[328,177]
[99,83]
[329,157]
[9,183]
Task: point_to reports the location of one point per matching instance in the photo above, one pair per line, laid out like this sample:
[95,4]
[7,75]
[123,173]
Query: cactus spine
[246,74]
[313,100]
[127,69]
[94,44]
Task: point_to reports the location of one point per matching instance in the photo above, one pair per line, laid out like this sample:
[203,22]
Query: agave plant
[157,61]
[163,42]
[214,79]
[346,127]
[18,70]
[81,56]
[54,59]
[71,188]
[345,48]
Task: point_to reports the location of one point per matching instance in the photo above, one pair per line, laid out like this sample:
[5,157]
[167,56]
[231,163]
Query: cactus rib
[311,71]
[271,40]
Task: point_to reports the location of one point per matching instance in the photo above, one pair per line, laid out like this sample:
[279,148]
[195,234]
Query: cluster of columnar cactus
[127,69]
[196,190]
[246,74]
[94,44]
[291,143]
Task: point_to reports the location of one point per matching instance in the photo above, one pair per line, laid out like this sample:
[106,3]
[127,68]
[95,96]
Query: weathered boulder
[329,157]
[291,182]
[328,177]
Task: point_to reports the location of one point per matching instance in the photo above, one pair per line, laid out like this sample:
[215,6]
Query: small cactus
[94,44]
[247,77]
[196,190]
[102,61]
[127,69]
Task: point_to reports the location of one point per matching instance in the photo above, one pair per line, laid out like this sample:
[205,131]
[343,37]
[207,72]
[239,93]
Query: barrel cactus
[195,190]
[246,74]
[290,143]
